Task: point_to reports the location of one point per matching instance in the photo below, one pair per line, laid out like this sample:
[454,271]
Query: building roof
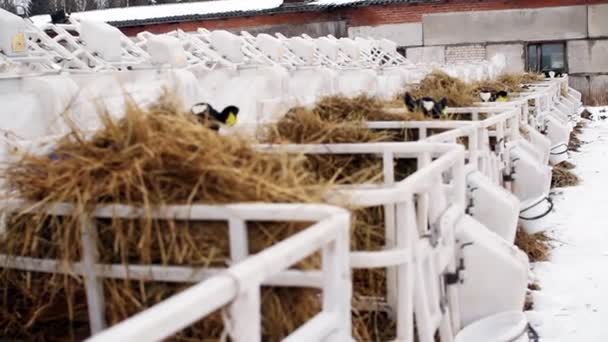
[195,11]
[361,3]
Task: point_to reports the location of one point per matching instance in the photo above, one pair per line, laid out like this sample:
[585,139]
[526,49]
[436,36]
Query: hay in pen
[148,158]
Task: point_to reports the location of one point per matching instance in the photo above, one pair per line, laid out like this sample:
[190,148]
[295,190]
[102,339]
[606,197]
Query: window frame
[539,55]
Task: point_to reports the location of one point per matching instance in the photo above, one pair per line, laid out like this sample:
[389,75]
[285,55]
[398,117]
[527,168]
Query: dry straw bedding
[562,176]
[536,246]
[438,84]
[157,157]
[147,159]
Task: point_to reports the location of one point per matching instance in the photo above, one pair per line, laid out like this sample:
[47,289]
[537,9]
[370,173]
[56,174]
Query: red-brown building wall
[358,16]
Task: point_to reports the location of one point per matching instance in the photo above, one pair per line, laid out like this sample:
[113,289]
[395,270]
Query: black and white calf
[429,106]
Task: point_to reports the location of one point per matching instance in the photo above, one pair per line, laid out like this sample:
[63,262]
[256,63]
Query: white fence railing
[237,287]
[420,214]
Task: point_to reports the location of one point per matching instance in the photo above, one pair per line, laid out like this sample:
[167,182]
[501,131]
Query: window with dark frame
[541,57]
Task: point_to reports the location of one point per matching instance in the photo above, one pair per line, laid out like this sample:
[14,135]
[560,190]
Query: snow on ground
[168,10]
[572,304]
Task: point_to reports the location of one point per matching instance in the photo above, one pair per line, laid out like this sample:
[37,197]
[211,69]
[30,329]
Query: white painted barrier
[414,288]
[495,277]
[237,287]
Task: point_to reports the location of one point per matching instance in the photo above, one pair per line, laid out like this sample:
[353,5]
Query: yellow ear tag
[18,43]
[501,99]
[444,111]
[231,120]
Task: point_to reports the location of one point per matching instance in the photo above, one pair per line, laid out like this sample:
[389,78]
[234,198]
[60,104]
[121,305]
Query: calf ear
[410,103]
[201,108]
[231,109]
[444,102]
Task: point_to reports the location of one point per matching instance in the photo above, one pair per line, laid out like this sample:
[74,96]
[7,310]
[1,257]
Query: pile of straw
[160,157]
[563,177]
[147,159]
[575,142]
[515,80]
[460,94]
[567,165]
[509,82]
[335,119]
[438,84]
[536,246]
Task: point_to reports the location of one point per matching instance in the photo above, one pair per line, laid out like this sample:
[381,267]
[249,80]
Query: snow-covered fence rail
[502,126]
[237,287]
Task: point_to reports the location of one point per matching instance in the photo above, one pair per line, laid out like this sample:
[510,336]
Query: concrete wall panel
[599,86]
[429,54]
[580,83]
[598,21]
[408,34]
[588,56]
[514,54]
[503,26]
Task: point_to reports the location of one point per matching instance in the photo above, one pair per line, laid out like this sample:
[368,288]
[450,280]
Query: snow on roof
[335,2]
[169,10]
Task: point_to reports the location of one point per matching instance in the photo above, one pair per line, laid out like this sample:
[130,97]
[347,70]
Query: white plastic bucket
[509,326]
[532,180]
[493,206]
[559,153]
[532,212]
[495,275]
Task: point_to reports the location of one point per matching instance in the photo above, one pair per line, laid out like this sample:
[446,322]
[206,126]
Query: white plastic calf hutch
[434,272]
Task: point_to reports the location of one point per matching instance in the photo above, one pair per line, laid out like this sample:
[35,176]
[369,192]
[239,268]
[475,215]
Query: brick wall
[465,53]
[392,14]
[237,22]
[359,16]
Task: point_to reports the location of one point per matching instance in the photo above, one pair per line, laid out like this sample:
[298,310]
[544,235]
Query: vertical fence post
[93,284]
[474,146]
[423,202]
[245,315]
[389,226]
[406,238]
[459,183]
[337,285]
[422,133]
[239,246]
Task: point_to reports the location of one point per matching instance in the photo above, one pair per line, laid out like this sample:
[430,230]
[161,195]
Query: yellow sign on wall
[18,43]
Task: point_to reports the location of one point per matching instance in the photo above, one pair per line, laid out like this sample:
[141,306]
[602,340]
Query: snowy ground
[572,304]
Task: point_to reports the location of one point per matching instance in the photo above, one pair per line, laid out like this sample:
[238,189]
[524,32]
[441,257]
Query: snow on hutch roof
[171,11]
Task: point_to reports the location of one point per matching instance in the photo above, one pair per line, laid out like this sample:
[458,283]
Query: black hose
[558,153]
[541,215]
[532,334]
